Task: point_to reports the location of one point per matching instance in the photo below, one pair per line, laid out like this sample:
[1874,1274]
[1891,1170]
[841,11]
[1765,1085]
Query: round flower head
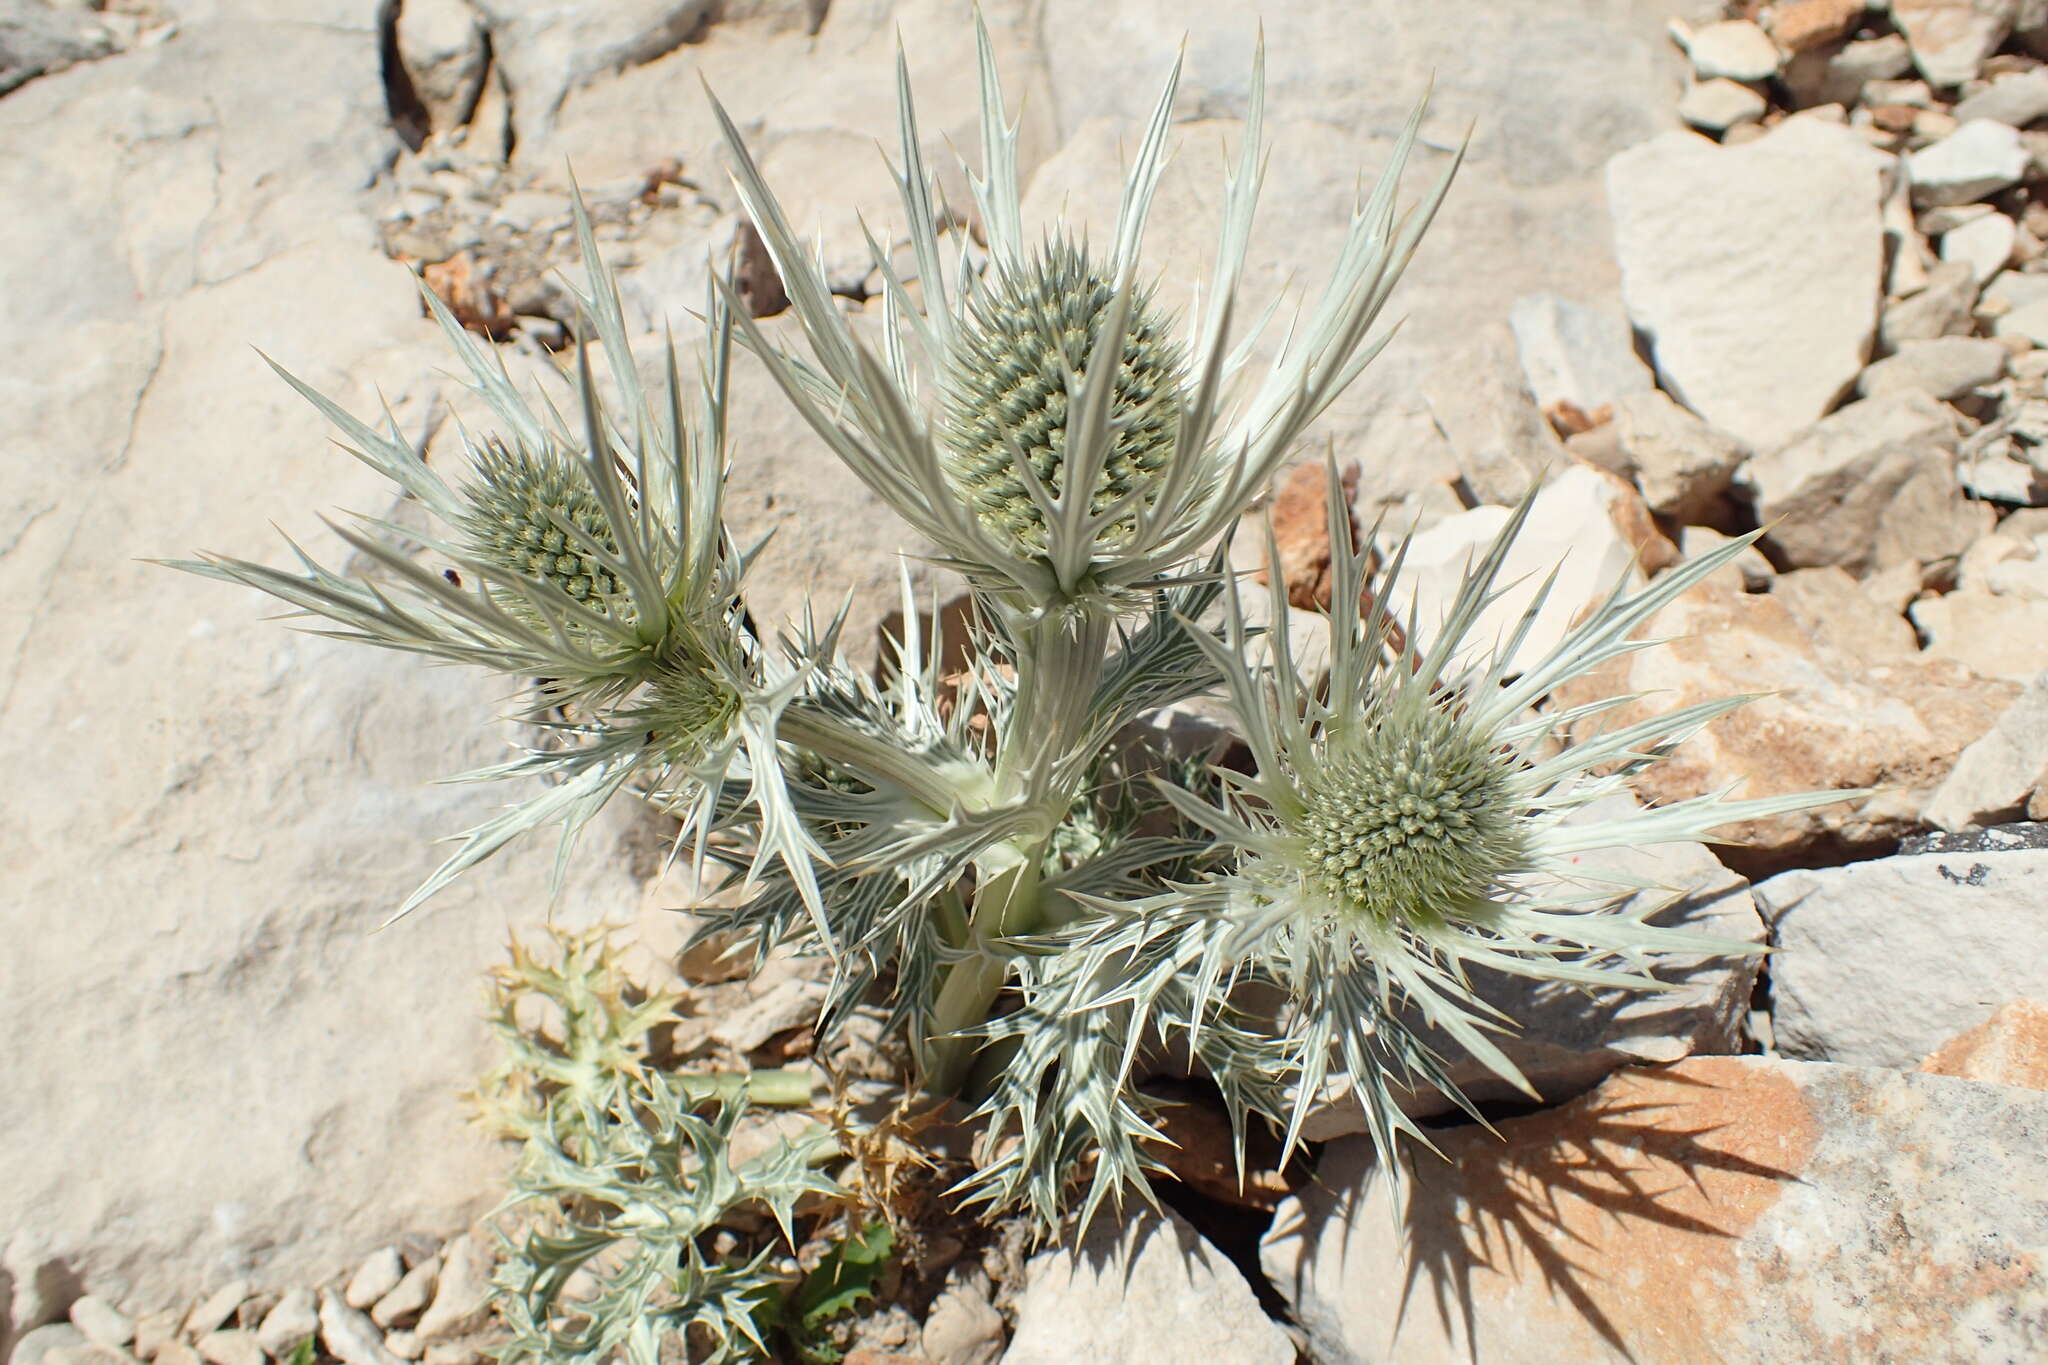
[1077,448]
[1408,821]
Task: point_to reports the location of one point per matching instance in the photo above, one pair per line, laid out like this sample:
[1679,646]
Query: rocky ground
[1774,264]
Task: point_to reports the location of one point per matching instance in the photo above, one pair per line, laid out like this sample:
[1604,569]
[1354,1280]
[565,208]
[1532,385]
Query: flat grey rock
[1939,938]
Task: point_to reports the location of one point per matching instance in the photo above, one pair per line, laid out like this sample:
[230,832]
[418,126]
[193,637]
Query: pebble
[176,1353]
[374,1278]
[1718,105]
[1734,48]
[2029,320]
[410,1295]
[349,1336]
[1799,25]
[462,1294]
[1941,308]
[1951,38]
[1978,159]
[295,1318]
[1947,367]
[102,1322]
[404,1345]
[47,1343]
[231,1347]
[153,1330]
[216,1308]
[2017,99]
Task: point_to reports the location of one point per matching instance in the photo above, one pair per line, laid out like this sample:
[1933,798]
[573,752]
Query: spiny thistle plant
[1041,904]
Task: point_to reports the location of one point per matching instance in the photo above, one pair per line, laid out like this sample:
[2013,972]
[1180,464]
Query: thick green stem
[1008,904]
[777,1086]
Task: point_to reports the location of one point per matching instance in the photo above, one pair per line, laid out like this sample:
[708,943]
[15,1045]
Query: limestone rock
[1578,525]
[1935,936]
[377,1276]
[1997,637]
[1501,441]
[1995,776]
[2009,1048]
[38,39]
[295,1318]
[1868,486]
[1800,25]
[1735,49]
[1683,466]
[1146,1291]
[1946,367]
[1974,162]
[1838,615]
[1754,270]
[1951,38]
[2016,98]
[547,50]
[1940,308]
[963,1327]
[1575,354]
[1985,244]
[105,1324]
[1716,106]
[1749,571]
[1779,1210]
[442,45]
[349,1336]
[1826,721]
[1829,75]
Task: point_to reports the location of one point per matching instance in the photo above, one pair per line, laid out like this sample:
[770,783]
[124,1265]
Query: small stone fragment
[1984,244]
[349,1336]
[1576,354]
[1138,1293]
[1749,571]
[1717,105]
[2009,1048]
[1799,25]
[1994,637]
[101,1322]
[1951,38]
[1977,160]
[405,1345]
[232,1346]
[1946,367]
[409,1296]
[1996,475]
[1734,48]
[462,1293]
[1941,308]
[1994,778]
[216,1308]
[1683,465]
[45,1345]
[374,1278]
[295,1318]
[1867,486]
[175,1353]
[963,1327]
[2017,98]
[153,1331]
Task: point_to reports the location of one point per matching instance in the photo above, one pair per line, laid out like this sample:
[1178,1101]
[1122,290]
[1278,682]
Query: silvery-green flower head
[1034,416]
[1416,815]
[587,559]
[1028,337]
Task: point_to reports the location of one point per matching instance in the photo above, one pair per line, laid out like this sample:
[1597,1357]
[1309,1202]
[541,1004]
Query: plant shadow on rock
[1546,1201]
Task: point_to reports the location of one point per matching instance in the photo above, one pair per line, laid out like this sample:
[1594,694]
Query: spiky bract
[1025,341]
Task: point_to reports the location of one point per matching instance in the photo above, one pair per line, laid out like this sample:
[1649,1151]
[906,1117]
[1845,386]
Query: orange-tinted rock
[1827,721]
[1720,1209]
[1301,530]
[1805,24]
[2009,1048]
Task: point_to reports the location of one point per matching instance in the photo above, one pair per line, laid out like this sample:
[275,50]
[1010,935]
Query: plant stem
[1006,905]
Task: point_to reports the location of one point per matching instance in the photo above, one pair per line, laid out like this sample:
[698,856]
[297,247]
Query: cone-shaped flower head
[1031,413]
[588,553]
[534,514]
[1024,342]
